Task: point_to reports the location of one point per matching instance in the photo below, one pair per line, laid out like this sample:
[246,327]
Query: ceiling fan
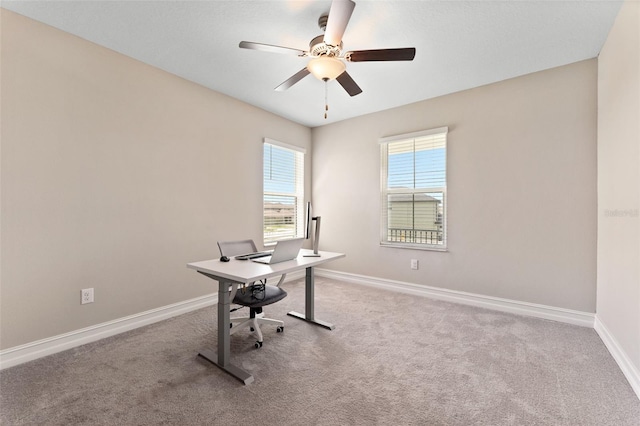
[328,58]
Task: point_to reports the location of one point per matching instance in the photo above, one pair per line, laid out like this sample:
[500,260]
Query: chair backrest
[234,248]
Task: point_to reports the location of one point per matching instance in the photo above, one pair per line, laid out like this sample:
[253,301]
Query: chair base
[255,322]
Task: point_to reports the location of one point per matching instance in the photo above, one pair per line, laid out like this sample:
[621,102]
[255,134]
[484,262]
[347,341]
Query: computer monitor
[307,221]
[308,233]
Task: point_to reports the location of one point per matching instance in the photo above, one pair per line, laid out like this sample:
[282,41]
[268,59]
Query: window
[414,189]
[283,190]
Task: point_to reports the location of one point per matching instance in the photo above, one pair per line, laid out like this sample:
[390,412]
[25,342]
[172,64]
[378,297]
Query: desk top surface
[243,271]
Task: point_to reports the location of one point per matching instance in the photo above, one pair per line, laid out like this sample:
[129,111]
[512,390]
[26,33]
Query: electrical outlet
[414,263]
[86,296]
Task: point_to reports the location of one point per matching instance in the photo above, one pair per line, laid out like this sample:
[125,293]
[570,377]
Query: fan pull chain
[326,102]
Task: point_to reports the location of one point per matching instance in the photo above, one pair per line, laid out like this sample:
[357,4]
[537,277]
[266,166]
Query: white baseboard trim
[584,319]
[619,355]
[294,276]
[51,345]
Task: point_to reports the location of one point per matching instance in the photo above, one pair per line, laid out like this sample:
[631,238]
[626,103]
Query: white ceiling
[460,44]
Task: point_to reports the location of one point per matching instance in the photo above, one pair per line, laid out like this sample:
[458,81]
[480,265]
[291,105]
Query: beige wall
[114,175]
[521,158]
[619,182]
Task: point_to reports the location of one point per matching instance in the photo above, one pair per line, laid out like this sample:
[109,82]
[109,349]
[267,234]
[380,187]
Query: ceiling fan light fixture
[326,67]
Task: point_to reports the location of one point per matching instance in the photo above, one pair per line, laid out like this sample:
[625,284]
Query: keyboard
[254,255]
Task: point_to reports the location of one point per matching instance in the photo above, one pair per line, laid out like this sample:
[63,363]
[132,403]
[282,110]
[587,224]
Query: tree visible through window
[414,187]
[283,189]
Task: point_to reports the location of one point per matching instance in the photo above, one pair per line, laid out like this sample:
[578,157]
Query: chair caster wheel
[258,345]
[280,329]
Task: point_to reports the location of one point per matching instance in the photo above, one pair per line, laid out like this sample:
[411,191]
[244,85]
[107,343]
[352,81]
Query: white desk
[237,272]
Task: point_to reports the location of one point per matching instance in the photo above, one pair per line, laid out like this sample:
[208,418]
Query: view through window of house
[283,191]
[414,189]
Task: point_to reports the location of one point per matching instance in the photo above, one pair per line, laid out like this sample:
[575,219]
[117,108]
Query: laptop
[285,250]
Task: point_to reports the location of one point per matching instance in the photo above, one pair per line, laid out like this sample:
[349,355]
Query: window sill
[414,247]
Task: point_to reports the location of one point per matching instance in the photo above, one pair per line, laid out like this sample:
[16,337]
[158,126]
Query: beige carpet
[392,359]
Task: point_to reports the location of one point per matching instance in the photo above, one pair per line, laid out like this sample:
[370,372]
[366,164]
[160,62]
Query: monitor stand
[316,238]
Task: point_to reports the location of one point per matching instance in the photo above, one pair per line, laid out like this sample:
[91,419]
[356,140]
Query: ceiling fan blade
[348,84]
[271,48]
[403,54]
[293,80]
[339,16]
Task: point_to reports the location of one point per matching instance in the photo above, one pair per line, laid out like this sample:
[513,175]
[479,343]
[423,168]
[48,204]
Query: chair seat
[257,299]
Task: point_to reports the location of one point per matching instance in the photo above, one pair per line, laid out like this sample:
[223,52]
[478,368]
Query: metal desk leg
[309,303]
[222,358]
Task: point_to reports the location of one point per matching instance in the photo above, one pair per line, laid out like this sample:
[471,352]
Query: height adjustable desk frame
[231,274]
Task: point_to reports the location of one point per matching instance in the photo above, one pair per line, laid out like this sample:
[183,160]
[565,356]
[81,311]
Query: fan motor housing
[317,47]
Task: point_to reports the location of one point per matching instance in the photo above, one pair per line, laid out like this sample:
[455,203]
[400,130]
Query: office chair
[254,295]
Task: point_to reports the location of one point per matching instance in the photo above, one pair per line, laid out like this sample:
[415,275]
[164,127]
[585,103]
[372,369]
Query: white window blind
[414,189]
[283,191]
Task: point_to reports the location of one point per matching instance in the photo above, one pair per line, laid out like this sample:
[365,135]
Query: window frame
[385,191]
[299,176]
